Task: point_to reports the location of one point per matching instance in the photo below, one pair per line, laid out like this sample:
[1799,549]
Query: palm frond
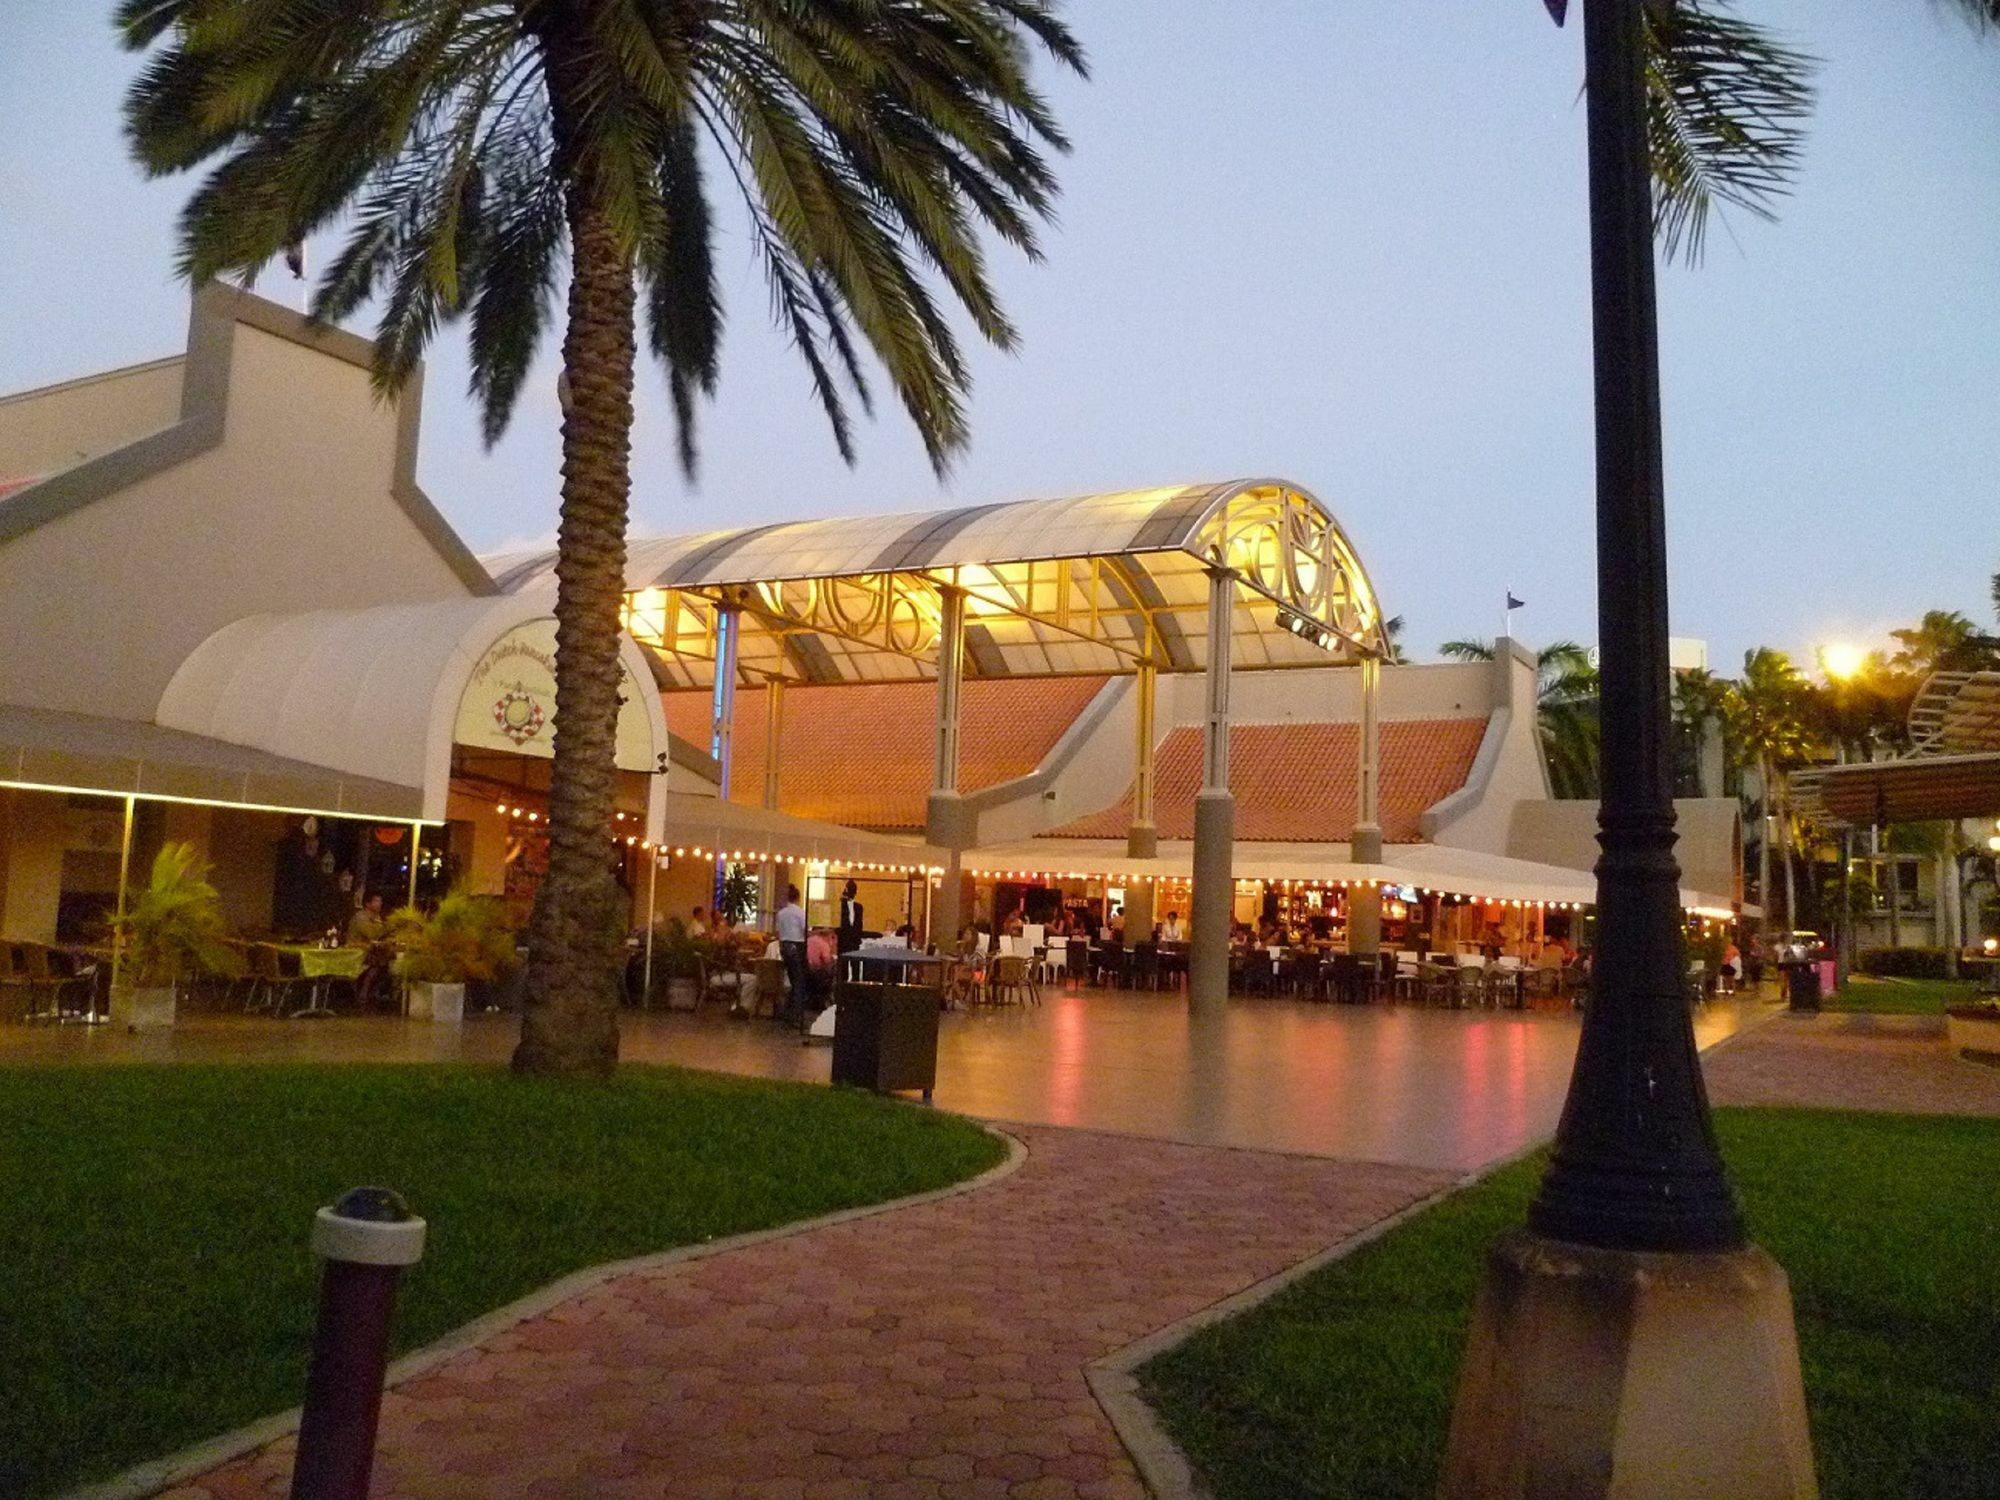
[1726,110]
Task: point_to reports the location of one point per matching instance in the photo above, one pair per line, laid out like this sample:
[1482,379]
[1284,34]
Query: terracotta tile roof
[861,754]
[1296,782]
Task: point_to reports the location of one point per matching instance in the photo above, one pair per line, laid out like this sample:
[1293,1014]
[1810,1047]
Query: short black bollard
[365,1239]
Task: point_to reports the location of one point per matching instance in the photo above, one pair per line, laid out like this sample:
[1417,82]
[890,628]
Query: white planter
[149,1009]
[442,1003]
[1975,1037]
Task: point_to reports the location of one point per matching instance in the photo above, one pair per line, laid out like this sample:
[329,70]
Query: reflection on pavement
[1447,1089]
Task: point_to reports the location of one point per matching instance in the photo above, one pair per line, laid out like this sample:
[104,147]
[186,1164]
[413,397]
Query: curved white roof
[1082,584]
[370,692]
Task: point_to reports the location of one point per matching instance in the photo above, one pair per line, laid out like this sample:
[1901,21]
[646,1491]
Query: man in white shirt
[1172,931]
[792,949]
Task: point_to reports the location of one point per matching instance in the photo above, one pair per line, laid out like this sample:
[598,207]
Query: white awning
[378,692]
[742,831]
[1468,873]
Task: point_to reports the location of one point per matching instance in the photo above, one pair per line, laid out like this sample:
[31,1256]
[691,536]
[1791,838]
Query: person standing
[792,949]
[847,935]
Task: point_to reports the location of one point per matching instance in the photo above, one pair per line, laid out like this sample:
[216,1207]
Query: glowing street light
[1841,661]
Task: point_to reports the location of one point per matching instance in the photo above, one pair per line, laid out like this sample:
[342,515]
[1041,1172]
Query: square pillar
[774,730]
[1364,911]
[728,626]
[947,824]
[1142,839]
[1214,818]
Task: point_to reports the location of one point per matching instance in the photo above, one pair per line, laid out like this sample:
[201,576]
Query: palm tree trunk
[1785,848]
[1764,843]
[570,1021]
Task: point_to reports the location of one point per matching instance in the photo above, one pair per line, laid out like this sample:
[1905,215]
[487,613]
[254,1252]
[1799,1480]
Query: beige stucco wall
[293,511]
[58,426]
[1509,768]
[1564,832]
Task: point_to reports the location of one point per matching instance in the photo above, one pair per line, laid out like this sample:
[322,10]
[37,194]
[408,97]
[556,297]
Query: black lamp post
[1635,1165]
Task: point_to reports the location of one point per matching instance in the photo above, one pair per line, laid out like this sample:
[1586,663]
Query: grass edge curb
[153,1476]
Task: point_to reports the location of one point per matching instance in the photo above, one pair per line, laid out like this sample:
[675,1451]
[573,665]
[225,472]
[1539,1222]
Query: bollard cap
[369,1226]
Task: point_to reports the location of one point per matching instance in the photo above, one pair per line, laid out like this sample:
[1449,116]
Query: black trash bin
[1803,986]
[885,1036]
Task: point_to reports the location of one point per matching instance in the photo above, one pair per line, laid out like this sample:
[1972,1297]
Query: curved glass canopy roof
[1087,585]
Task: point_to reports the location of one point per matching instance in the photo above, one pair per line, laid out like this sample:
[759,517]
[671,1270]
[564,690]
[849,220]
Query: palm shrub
[473,150]
[172,928]
[466,938]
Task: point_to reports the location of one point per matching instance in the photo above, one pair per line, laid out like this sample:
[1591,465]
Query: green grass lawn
[1889,1226]
[155,1282]
[1900,997]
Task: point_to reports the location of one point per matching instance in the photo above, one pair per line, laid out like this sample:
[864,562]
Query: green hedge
[1904,963]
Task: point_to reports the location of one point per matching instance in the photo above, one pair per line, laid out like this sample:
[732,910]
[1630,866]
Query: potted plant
[681,959]
[1974,1029]
[171,929]
[466,938]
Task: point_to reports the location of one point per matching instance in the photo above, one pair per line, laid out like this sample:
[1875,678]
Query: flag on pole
[1513,603]
[1557,9]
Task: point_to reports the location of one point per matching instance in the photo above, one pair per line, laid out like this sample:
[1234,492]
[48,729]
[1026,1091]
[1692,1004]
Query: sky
[1337,241]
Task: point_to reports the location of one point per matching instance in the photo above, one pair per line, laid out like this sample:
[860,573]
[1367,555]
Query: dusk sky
[1339,241]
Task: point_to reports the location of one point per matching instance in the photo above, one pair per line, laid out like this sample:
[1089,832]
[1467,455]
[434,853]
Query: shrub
[1904,963]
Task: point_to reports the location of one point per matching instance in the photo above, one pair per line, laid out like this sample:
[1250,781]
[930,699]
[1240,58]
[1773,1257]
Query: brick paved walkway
[1895,1063]
[930,1353]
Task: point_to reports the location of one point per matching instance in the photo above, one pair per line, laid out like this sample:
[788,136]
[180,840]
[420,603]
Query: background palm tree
[471,148]
[1566,710]
[1770,717]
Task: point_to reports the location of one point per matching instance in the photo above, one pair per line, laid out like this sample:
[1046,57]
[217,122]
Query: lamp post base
[1609,1373]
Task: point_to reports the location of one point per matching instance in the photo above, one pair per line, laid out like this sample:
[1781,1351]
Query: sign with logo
[510,700]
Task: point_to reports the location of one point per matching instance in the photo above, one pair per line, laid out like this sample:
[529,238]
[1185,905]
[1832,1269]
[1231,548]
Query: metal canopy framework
[1091,585]
[1951,771]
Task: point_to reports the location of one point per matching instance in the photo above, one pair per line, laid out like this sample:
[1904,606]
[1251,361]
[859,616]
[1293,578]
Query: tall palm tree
[1566,710]
[1768,709]
[473,147]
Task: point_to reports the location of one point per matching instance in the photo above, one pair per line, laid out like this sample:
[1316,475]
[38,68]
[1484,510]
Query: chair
[1146,966]
[1109,963]
[22,996]
[770,995]
[1055,960]
[55,973]
[1010,984]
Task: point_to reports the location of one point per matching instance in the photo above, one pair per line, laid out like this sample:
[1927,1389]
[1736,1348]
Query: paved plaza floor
[1404,1084]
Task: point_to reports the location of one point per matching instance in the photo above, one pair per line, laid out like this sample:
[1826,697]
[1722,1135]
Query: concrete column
[946,910]
[1141,911]
[728,624]
[1142,839]
[1364,907]
[947,822]
[1214,817]
[774,729]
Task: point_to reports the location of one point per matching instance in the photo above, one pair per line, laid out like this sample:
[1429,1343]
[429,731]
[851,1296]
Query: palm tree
[1566,710]
[1768,710]
[1699,709]
[1943,641]
[470,147]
